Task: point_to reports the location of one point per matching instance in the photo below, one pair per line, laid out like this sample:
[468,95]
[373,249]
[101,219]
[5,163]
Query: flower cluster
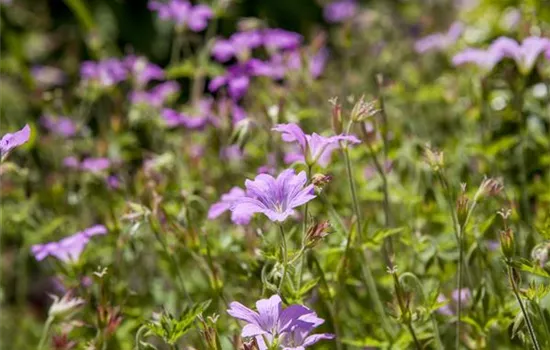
[69,248]
[289,328]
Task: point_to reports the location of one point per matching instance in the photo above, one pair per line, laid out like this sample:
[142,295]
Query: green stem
[459,287]
[284,253]
[304,233]
[413,334]
[45,331]
[523,310]
[176,48]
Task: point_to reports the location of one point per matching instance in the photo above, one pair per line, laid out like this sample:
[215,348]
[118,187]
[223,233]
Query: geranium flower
[525,54]
[69,248]
[225,203]
[289,327]
[315,149]
[62,126]
[183,13]
[9,141]
[157,96]
[106,73]
[276,198]
[143,70]
[439,41]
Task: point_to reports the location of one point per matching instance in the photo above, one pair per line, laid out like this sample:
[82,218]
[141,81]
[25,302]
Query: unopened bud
[434,159]
[462,209]
[363,110]
[507,243]
[490,187]
[320,181]
[317,232]
[540,253]
[336,115]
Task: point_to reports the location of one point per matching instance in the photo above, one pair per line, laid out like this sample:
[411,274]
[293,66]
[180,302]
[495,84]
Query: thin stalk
[413,334]
[177,44]
[367,274]
[459,287]
[523,310]
[284,253]
[45,331]
[304,232]
[543,320]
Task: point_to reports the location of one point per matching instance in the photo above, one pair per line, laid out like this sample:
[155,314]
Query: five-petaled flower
[274,197]
[314,148]
[272,324]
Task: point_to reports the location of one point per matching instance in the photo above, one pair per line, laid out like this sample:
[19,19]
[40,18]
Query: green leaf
[378,237]
[188,69]
[528,266]
[171,329]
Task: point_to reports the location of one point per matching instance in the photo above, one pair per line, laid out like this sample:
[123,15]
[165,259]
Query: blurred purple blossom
[275,197]
[47,77]
[95,165]
[62,126]
[238,45]
[225,203]
[157,96]
[173,118]
[484,59]
[315,149]
[525,54]
[440,41]
[183,13]
[280,39]
[142,70]
[289,327]
[340,11]
[11,140]
[232,153]
[449,309]
[69,248]
[106,73]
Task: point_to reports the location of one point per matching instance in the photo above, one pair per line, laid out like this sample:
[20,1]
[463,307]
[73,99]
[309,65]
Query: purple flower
[274,197]
[225,203]
[173,118]
[232,153]
[238,45]
[95,165]
[484,59]
[106,73]
[289,327]
[315,149]
[71,162]
[157,96]
[62,126]
[47,77]
[10,141]
[183,13]
[236,79]
[340,11]
[525,54]
[318,62]
[440,41]
[143,70]
[280,39]
[69,248]
[465,295]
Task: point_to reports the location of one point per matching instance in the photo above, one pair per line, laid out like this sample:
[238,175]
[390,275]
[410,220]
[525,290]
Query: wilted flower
[69,248]
[317,232]
[65,306]
[62,126]
[10,141]
[434,159]
[540,253]
[440,41]
[288,327]
[183,13]
[315,149]
[274,197]
[340,11]
[489,187]
[320,181]
[225,203]
[363,109]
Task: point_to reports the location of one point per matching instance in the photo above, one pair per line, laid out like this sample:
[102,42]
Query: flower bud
[489,187]
[507,243]
[317,232]
[363,110]
[65,306]
[336,115]
[320,181]
[462,209]
[434,159]
[540,253]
